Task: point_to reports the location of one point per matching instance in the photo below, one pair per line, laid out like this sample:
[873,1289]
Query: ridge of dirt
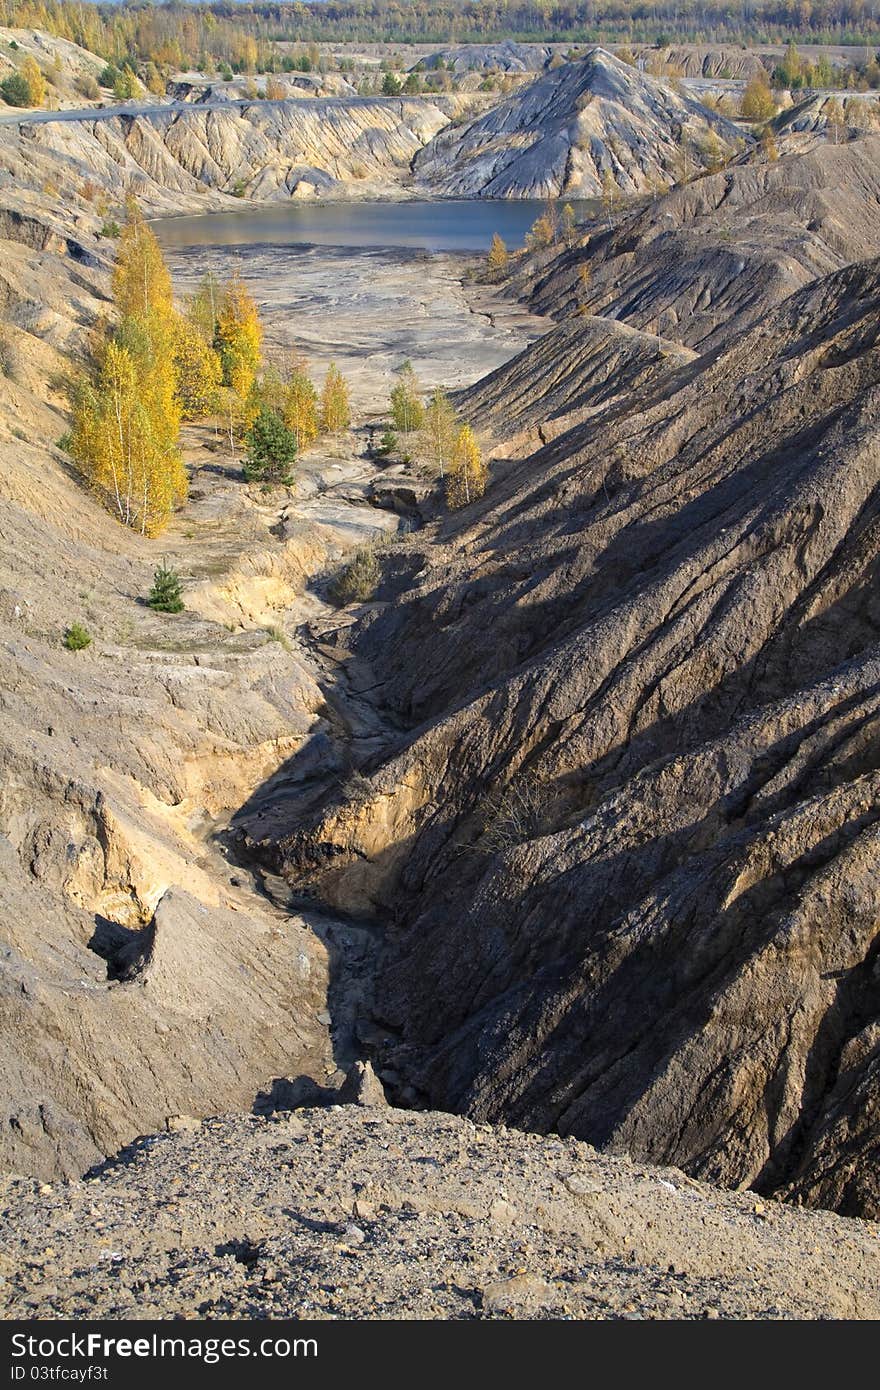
[366,1212]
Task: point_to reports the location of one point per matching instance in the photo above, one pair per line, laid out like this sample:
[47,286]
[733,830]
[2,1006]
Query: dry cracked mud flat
[369,311]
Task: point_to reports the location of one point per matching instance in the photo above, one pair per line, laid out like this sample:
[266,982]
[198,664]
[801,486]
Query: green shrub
[358,581]
[125,88]
[275,634]
[271,449]
[165,596]
[238,188]
[110,228]
[76,638]
[387,444]
[15,90]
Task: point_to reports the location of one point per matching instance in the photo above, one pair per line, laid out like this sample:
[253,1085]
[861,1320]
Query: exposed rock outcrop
[587,120]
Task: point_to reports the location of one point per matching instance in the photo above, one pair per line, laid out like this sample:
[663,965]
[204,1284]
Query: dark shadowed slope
[631,842]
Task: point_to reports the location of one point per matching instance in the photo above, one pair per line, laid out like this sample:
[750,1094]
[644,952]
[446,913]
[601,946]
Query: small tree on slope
[468,475]
[165,595]
[271,449]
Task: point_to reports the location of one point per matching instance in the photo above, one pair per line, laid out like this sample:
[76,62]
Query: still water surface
[453,225]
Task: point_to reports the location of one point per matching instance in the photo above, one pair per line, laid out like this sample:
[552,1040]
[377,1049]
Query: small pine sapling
[165,595]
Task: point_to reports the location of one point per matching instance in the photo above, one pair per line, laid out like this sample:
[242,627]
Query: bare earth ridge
[363,1212]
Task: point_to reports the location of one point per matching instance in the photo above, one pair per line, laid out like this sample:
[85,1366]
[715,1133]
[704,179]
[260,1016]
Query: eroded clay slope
[719,253]
[188,156]
[630,842]
[137,974]
[586,121]
[584,366]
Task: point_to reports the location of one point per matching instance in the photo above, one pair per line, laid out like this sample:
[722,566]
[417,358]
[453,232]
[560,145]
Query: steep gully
[368,835]
[384,307]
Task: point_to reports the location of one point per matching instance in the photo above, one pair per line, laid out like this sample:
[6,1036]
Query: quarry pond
[450,225]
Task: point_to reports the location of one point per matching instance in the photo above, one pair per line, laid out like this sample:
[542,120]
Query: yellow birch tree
[141,282]
[758,102]
[439,433]
[36,83]
[124,441]
[335,411]
[300,411]
[239,338]
[126,415]
[407,410]
[468,474]
[498,256]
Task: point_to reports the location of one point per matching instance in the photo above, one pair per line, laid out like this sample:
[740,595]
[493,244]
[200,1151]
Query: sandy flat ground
[371,310]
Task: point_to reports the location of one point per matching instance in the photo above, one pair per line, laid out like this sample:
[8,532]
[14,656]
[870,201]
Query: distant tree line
[243,38]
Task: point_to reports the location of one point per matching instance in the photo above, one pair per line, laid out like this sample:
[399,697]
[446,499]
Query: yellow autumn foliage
[124,435]
[36,83]
[300,410]
[498,255]
[198,370]
[141,282]
[468,474]
[127,412]
[239,338]
[335,412]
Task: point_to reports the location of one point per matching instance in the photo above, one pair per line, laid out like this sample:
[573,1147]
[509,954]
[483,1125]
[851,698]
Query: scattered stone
[177,1124]
[502,1212]
[521,1290]
[362,1087]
